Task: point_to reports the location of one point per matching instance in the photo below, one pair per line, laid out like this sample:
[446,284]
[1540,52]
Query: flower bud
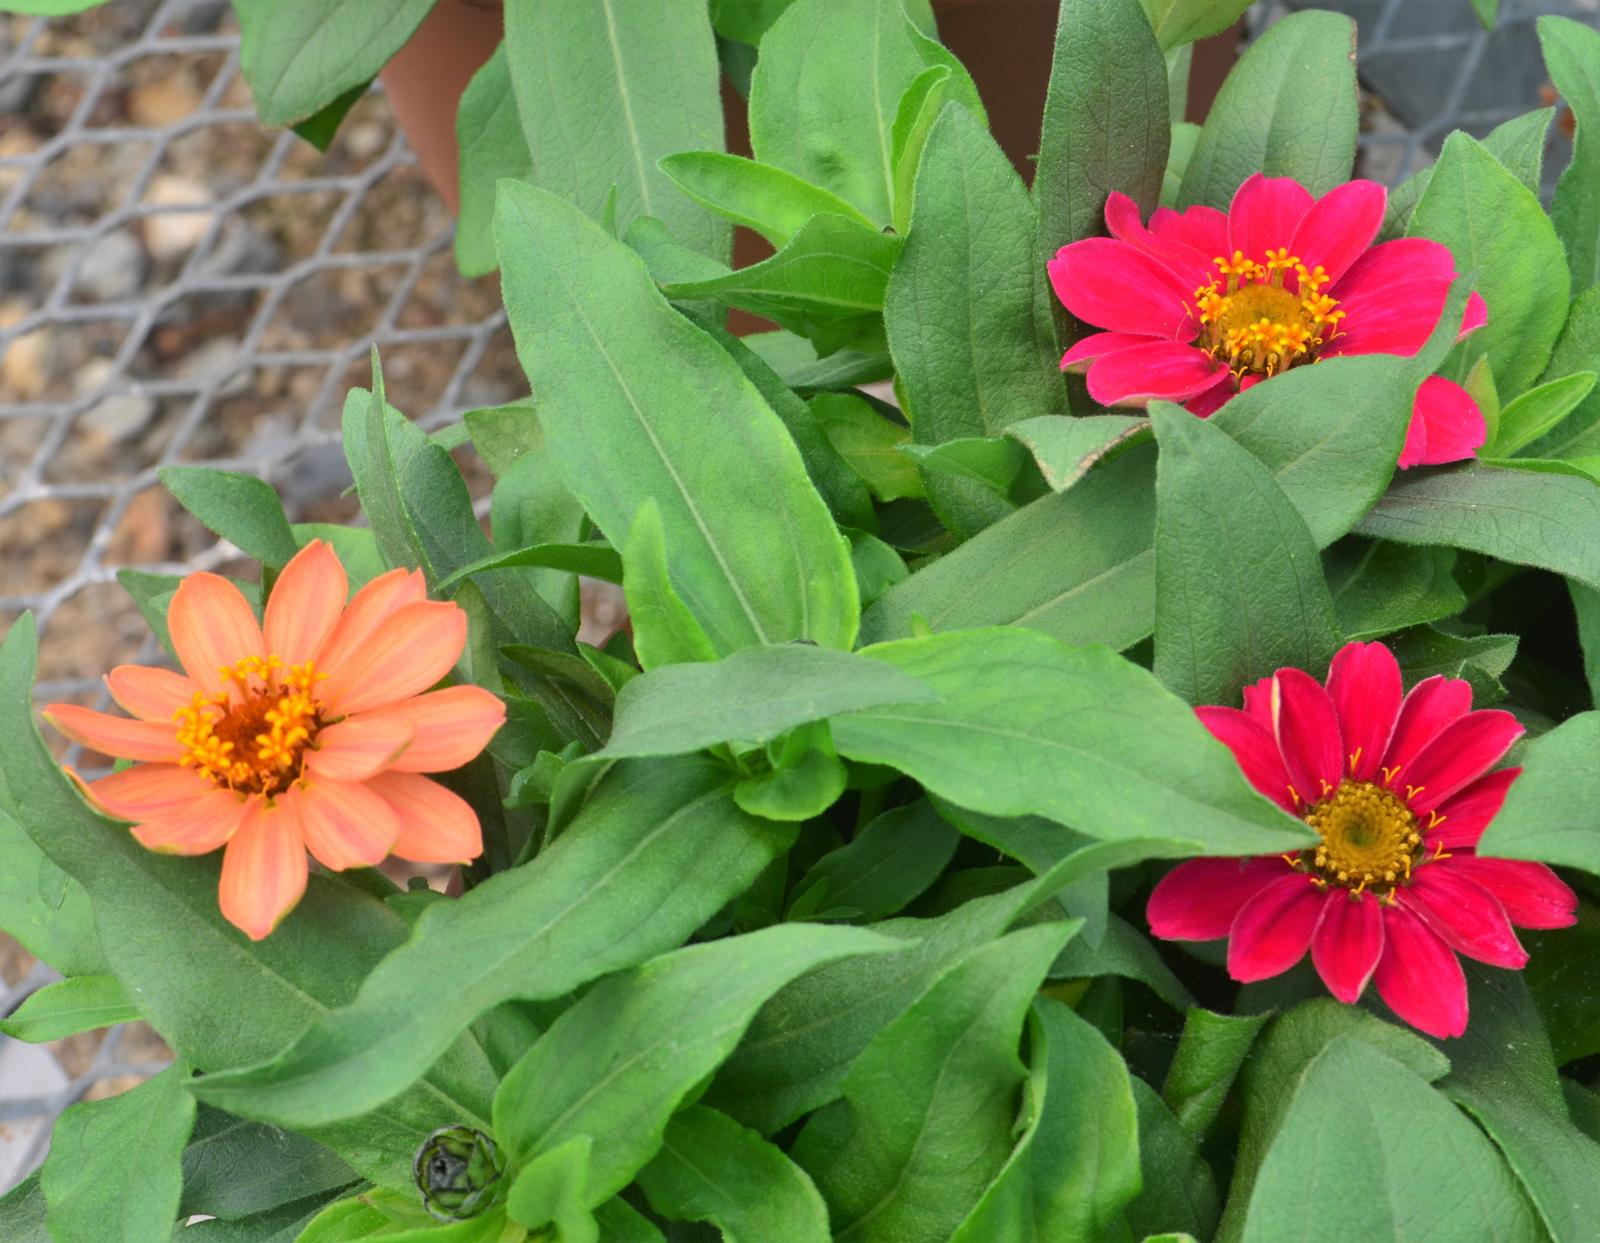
[458,1171]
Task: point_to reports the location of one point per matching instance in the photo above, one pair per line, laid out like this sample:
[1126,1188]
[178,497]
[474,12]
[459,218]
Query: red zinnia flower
[1399,790]
[1203,304]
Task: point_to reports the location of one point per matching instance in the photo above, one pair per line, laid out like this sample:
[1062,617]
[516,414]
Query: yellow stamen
[1369,838]
[252,737]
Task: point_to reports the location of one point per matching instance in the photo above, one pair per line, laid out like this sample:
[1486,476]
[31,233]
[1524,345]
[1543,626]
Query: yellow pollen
[253,736]
[1249,320]
[1369,840]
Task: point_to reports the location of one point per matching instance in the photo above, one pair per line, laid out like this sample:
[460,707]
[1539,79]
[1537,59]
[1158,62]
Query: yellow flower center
[1250,321]
[1369,840]
[252,738]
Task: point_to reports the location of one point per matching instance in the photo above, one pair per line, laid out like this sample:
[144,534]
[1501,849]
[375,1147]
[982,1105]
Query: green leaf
[594,560]
[746,20]
[22,1211]
[234,1169]
[714,1170]
[1557,976]
[1067,449]
[887,864]
[930,1102]
[1077,1162]
[1488,11]
[872,445]
[1521,516]
[356,547]
[1572,58]
[1358,1118]
[114,1169]
[1575,350]
[1379,587]
[1586,604]
[241,508]
[67,1007]
[604,90]
[1538,411]
[285,1224]
[1425,651]
[775,203]
[919,108]
[1239,586]
[825,93]
[1213,1048]
[1123,951]
[616,1065]
[1178,1188]
[991,462]
[797,789]
[44,908]
[665,632]
[552,1189]
[623,381]
[1105,120]
[1288,109]
[749,697]
[795,361]
[489,136]
[1517,143]
[1177,22]
[1548,814]
[1027,726]
[658,848]
[320,127]
[1494,227]
[51,8]
[298,55]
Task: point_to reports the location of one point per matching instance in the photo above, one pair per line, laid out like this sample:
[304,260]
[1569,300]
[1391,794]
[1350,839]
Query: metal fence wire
[180,285]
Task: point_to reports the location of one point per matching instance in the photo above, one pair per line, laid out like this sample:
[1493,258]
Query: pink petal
[1475,316]
[1273,930]
[436,825]
[1446,425]
[213,628]
[1253,748]
[1306,726]
[1099,344]
[344,825]
[1207,403]
[1364,684]
[1198,899]
[1189,265]
[1265,213]
[1258,702]
[1465,915]
[1431,705]
[263,871]
[147,791]
[305,603]
[1462,751]
[1204,228]
[1348,943]
[358,748]
[413,648]
[1392,297]
[1418,976]
[451,727]
[1462,818]
[1170,370]
[1111,284]
[117,736]
[197,829]
[369,609]
[1340,226]
[149,693]
[1531,895]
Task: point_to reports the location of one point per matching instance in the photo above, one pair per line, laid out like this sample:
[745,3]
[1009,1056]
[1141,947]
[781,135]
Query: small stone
[217,357]
[117,418]
[170,234]
[112,268]
[164,102]
[23,369]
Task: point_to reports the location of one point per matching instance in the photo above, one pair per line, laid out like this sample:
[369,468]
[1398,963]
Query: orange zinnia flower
[307,733]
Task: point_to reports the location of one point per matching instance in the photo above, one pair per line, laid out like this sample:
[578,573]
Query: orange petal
[150,694]
[451,726]
[413,648]
[305,604]
[212,628]
[148,791]
[368,609]
[116,735]
[345,825]
[263,870]
[436,825]
[356,749]
[197,829]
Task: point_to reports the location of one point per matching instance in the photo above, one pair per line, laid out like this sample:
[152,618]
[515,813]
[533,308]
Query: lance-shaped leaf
[67,1007]
[489,135]
[1572,57]
[759,196]
[44,908]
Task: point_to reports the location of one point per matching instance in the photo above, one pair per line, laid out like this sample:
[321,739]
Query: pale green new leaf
[489,135]
[67,1007]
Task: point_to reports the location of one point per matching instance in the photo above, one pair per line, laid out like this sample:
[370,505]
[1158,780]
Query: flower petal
[343,824]
[413,648]
[1340,227]
[1392,297]
[1265,213]
[1099,344]
[1273,930]
[1348,943]
[1205,404]
[1431,705]
[368,609]
[1253,748]
[263,871]
[1204,228]
[1364,684]
[436,825]
[213,628]
[1190,265]
[1474,317]
[450,726]
[149,693]
[1446,425]
[117,736]
[305,603]
[357,748]
[1465,915]
[1463,751]
[1170,370]
[1306,726]
[1531,895]
[1418,976]
[198,828]
[1258,702]
[147,791]
[1462,818]
[1111,284]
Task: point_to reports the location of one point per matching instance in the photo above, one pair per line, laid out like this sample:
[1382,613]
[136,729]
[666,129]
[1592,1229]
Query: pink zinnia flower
[1399,790]
[1204,304]
[308,733]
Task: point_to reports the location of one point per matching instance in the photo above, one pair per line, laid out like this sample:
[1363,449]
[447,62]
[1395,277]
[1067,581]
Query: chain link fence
[180,285]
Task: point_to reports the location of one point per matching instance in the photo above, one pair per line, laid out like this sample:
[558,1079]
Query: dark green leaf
[1125,951]
[595,560]
[44,908]
[1209,1056]
[1572,58]
[67,1007]
[1379,587]
[235,1169]
[489,136]
[22,1212]
[1549,812]
[241,508]
[1425,651]
[284,1224]
[1586,604]
[319,128]
[1066,449]
[1575,350]
[872,445]
[1178,1188]
[888,863]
